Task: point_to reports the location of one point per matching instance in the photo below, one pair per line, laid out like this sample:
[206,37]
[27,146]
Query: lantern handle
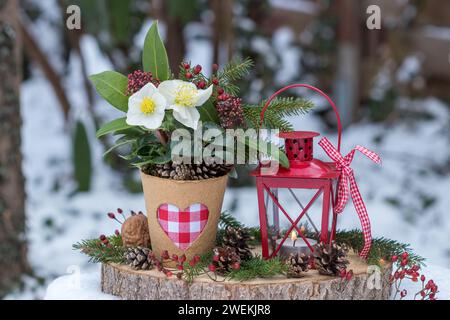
[301,85]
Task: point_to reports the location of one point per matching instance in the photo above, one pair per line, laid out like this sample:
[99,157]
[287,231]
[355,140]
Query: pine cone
[330,259]
[225,259]
[187,171]
[238,240]
[298,264]
[138,258]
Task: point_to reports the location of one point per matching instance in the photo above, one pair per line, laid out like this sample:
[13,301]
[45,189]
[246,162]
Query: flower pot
[183,216]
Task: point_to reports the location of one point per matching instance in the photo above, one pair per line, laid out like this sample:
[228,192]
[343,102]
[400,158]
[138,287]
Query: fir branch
[235,70]
[277,111]
[381,248]
[257,267]
[191,272]
[98,252]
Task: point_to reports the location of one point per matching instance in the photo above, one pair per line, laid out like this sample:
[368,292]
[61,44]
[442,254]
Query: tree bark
[129,284]
[12,195]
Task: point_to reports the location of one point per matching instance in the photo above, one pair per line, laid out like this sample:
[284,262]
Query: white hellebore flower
[146,108]
[183,98]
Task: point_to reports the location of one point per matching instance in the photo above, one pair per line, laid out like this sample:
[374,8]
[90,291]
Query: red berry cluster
[113,216]
[405,271]
[104,240]
[230,111]
[138,79]
[179,260]
[194,75]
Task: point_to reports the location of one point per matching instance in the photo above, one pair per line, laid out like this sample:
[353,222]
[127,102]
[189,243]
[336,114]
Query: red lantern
[305,172]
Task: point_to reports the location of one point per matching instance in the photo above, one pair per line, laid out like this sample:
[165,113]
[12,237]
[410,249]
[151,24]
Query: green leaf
[113,126]
[117,145]
[112,86]
[154,56]
[208,113]
[81,154]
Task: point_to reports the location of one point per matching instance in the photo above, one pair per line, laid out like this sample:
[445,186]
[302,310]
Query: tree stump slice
[129,284]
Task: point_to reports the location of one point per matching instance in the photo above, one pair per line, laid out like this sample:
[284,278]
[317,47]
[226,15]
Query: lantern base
[300,246]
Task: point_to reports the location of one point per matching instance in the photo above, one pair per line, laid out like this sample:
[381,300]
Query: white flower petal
[153,121]
[189,116]
[148,90]
[203,96]
[135,119]
[169,89]
[160,101]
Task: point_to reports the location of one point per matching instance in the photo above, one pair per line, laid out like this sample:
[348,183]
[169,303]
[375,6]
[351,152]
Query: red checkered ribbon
[348,187]
[183,227]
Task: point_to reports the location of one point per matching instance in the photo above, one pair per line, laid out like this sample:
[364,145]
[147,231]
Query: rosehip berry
[120,211]
[197,69]
[349,275]
[226,96]
[186,66]
[188,75]
[236,266]
[422,293]
[212,268]
[343,273]
[220,91]
[432,296]
[165,255]
[169,274]
[192,263]
[117,232]
[111,215]
[404,262]
[403,293]
[197,258]
[216,258]
[215,81]
[405,255]
[215,67]
[394,258]
[102,237]
[182,259]
[180,267]
[174,257]
[201,85]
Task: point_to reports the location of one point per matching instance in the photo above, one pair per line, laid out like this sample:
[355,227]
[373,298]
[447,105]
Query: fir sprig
[257,267]
[99,252]
[279,109]
[381,248]
[236,69]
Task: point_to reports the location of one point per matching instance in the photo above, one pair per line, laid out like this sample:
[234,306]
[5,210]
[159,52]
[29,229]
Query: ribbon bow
[347,186]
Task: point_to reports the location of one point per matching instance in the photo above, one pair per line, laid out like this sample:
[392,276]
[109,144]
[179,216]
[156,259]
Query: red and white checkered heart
[183,226]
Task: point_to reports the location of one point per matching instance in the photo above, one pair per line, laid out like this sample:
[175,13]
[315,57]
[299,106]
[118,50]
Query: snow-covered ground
[407,197]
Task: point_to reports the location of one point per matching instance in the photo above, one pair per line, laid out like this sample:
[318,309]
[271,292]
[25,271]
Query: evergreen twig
[98,252]
[257,267]
[275,114]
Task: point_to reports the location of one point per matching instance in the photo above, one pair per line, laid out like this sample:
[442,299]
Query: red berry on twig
[215,67]
[188,75]
[215,81]
[212,268]
[197,69]
[201,85]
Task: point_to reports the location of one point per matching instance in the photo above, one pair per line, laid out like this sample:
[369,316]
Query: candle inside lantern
[293,244]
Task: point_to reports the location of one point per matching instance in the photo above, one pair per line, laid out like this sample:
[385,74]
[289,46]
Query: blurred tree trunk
[12,195]
[349,56]
[175,43]
[223,38]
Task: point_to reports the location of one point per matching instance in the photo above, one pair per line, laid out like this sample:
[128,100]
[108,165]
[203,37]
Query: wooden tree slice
[122,281]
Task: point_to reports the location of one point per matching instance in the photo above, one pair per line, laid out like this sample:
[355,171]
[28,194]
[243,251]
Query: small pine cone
[224,259]
[330,259]
[238,238]
[231,113]
[138,79]
[298,264]
[138,258]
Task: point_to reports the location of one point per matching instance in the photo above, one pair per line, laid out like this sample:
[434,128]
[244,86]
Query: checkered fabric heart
[183,227]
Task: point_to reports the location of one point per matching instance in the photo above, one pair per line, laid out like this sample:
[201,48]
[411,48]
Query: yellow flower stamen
[186,96]
[148,106]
